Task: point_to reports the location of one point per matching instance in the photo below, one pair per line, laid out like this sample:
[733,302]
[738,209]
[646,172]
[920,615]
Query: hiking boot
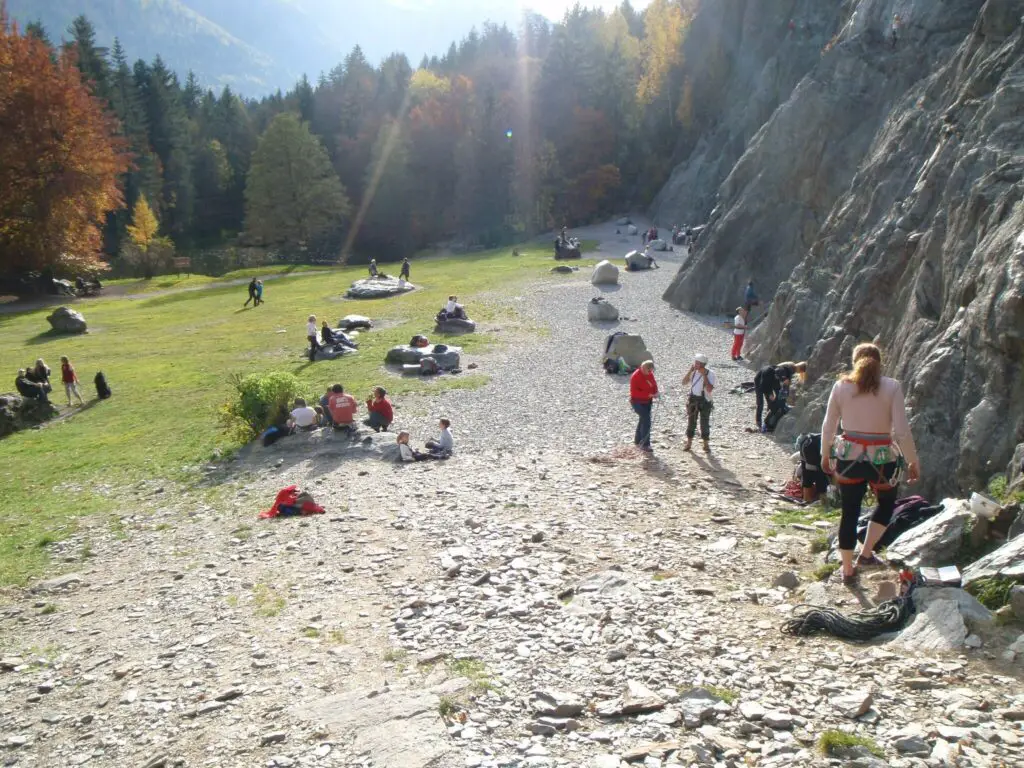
[689,444]
[707,447]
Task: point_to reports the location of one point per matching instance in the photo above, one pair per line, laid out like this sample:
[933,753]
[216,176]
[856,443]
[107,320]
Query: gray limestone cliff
[882,200]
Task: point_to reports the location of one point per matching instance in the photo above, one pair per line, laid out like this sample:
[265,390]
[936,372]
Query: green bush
[262,400]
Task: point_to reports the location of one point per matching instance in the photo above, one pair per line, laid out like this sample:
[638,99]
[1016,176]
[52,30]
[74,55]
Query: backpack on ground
[102,388]
[418,341]
[810,450]
[611,365]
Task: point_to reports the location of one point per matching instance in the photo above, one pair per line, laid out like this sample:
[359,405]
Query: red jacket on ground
[642,386]
[383,407]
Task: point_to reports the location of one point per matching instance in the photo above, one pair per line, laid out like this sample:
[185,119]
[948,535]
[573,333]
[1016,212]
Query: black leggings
[852,493]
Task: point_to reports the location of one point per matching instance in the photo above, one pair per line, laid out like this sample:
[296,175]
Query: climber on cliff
[897,23]
[750,299]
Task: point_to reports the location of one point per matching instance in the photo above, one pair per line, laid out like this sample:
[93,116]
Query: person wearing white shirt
[739,332]
[700,382]
[311,330]
[303,417]
[445,444]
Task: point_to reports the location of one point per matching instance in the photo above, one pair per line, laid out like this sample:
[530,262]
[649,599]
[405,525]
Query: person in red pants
[739,332]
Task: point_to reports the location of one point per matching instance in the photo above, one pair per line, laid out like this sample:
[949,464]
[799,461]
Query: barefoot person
[643,388]
[870,410]
[699,383]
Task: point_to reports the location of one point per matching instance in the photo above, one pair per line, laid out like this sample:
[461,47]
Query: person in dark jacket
[404,274]
[252,294]
[769,381]
[643,388]
[750,299]
[28,388]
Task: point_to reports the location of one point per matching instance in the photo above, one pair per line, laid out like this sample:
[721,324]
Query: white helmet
[701,358]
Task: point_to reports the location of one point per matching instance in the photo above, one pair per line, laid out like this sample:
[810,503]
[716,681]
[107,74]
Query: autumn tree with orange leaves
[59,160]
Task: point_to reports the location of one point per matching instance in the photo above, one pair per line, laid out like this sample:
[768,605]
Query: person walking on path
[70,380]
[700,382]
[739,332]
[252,294]
[870,410]
[643,388]
[404,274]
[314,345]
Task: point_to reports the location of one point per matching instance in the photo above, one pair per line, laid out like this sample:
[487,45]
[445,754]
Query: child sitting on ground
[407,453]
[445,444]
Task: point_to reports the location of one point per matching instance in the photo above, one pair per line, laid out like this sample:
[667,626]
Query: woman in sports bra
[874,447]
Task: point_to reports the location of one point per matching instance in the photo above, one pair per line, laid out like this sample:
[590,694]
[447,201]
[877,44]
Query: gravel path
[543,599]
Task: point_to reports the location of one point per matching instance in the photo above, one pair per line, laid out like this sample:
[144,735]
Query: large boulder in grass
[605,273]
[454,325]
[446,357]
[379,288]
[67,320]
[17,413]
[600,310]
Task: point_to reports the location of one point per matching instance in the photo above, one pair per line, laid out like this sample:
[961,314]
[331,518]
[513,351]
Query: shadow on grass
[51,335]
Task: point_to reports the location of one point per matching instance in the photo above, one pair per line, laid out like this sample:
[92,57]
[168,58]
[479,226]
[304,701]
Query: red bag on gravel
[291,502]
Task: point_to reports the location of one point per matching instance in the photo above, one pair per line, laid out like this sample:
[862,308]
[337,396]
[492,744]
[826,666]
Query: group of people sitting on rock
[337,409]
[329,338]
[565,243]
[34,382]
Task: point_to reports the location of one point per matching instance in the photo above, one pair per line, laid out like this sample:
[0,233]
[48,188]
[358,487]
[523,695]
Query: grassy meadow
[169,360]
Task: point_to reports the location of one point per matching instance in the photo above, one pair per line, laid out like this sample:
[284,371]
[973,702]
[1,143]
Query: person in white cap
[700,381]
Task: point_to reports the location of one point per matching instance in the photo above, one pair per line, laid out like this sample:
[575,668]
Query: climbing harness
[885,452]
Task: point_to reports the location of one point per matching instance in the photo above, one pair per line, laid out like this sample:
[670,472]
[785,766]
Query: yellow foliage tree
[665,23]
[144,247]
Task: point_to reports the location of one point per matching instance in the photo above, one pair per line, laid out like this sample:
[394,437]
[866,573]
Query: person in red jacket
[642,391]
[381,412]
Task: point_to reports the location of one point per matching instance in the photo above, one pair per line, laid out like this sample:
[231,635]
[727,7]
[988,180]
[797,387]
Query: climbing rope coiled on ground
[890,616]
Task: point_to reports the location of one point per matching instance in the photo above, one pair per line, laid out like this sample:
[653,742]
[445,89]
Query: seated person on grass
[302,418]
[342,408]
[381,412]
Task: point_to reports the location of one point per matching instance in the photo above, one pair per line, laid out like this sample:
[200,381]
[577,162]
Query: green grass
[268,603]
[169,360]
[819,543]
[728,695]
[832,742]
[804,515]
[998,489]
[311,632]
[823,571]
[447,706]
[992,592]
[136,285]
[474,670]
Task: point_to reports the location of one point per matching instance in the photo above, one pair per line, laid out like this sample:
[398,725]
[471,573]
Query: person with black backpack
[768,383]
[812,479]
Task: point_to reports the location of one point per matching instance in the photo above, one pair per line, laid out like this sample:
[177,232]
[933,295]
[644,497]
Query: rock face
[1007,561]
[446,359]
[378,288]
[605,273]
[936,541]
[599,310]
[17,412]
[67,320]
[880,200]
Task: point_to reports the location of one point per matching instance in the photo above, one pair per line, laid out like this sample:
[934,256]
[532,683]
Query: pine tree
[389,188]
[293,196]
[91,60]
[59,160]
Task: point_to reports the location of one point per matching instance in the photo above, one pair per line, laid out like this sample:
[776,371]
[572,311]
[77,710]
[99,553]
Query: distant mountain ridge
[258,46]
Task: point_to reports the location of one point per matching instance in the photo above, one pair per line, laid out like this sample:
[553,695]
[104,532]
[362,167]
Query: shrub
[262,400]
[992,591]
